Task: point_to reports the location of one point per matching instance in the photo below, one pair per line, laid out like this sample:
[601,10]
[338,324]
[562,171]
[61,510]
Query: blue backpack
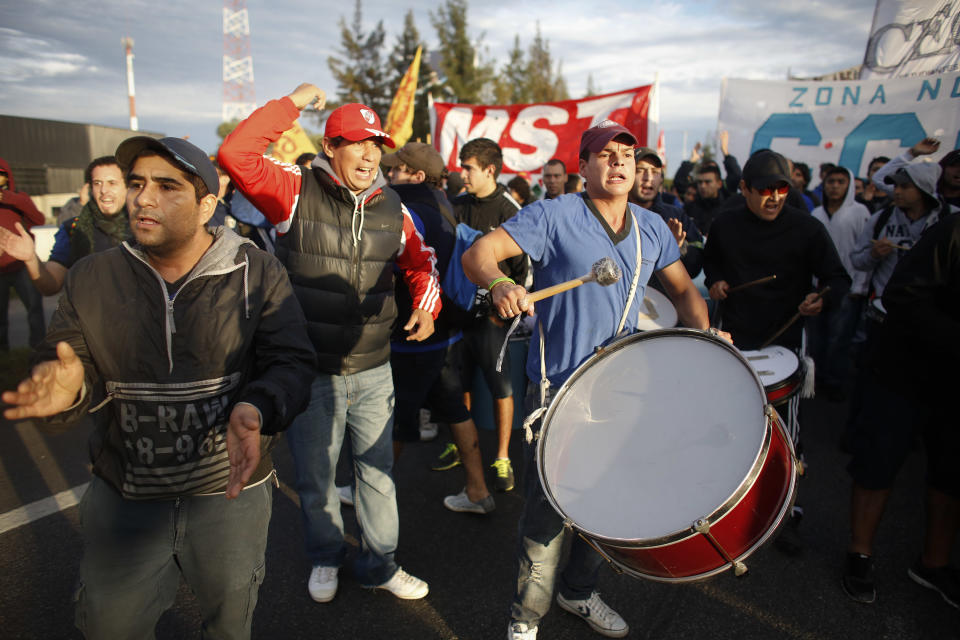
[456,285]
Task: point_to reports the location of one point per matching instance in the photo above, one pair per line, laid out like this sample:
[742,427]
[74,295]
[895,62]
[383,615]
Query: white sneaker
[520,631]
[405,586]
[463,504]
[428,430]
[346,495]
[323,583]
[597,614]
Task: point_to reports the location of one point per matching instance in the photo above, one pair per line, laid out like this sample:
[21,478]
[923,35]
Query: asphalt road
[469,561]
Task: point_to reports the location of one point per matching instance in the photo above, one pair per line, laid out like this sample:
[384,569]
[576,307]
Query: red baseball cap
[355,122]
[596,137]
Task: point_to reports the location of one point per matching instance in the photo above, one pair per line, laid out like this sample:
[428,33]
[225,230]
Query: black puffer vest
[340,259]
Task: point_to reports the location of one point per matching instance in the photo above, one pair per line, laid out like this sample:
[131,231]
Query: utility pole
[238,95]
[131,93]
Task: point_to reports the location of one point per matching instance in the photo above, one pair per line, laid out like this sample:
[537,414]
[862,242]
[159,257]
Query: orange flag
[292,143]
[400,119]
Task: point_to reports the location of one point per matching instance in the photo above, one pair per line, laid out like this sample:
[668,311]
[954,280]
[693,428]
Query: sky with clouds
[65,61]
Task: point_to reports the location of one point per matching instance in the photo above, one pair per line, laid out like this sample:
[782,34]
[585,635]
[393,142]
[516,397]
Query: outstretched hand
[695,154]
[17,245]
[243,446]
[925,147]
[52,387]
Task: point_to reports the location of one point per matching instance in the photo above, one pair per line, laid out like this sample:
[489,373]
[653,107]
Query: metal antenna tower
[239,99]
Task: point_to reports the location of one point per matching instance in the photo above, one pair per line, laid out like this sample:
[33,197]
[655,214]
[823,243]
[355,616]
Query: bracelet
[713,331]
[500,280]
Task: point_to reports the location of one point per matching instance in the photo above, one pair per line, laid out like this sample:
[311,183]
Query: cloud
[24,58]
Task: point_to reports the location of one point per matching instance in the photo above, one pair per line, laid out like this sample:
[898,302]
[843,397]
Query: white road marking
[41,508]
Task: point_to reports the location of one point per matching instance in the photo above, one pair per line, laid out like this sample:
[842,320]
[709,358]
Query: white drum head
[773,364]
[652,435]
[656,311]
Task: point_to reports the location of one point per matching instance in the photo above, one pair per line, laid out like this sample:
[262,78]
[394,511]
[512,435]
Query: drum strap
[544,389]
[544,380]
[636,277]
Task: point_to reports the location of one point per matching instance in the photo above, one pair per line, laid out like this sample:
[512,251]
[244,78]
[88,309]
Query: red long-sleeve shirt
[274,187]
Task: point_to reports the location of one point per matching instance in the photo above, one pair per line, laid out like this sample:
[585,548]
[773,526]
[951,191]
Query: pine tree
[359,69]
[592,88]
[543,85]
[464,75]
[510,87]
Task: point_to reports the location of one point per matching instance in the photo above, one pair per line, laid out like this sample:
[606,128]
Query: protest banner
[531,134]
[913,37]
[846,123]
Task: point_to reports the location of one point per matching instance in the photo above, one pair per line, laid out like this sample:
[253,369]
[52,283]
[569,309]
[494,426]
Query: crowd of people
[336,298]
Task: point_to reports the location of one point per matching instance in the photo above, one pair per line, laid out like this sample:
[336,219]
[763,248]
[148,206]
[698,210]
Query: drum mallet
[790,322]
[604,272]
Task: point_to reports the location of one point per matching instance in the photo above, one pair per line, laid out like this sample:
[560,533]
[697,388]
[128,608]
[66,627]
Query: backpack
[882,221]
[457,287]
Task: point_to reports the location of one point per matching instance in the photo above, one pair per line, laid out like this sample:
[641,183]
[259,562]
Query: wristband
[500,280]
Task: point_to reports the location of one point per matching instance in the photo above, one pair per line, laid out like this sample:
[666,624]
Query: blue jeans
[541,541]
[30,298]
[361,404]
[831,336]
[134,552]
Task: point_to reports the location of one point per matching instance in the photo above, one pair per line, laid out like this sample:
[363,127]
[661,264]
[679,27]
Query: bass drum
[662,451]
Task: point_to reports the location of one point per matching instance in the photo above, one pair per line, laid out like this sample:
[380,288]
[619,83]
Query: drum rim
[661,297]
[725,507]
[786,508]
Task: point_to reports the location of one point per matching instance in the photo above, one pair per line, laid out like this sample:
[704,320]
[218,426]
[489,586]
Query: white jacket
[845,227]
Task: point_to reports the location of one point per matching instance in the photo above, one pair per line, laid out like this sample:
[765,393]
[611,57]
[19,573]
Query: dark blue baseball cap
[186,155]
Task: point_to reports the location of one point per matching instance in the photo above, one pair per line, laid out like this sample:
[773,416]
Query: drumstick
[895,246]
[604,272]
[790,322]
[751,283]
[716,308]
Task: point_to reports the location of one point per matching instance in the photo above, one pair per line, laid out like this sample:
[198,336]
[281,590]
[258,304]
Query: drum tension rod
[703,528]
[603,554]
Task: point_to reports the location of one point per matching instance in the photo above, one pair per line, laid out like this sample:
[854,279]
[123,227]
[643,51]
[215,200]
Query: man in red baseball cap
[342,231]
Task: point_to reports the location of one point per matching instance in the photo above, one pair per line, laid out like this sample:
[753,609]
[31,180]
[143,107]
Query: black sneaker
[448,459]
[503,478]
[857,578]
[943,580]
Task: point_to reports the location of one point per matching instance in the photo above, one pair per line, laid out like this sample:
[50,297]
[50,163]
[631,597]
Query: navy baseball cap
[186,155]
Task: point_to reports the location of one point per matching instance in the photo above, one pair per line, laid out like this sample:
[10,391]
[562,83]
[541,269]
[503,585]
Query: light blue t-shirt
[563,238]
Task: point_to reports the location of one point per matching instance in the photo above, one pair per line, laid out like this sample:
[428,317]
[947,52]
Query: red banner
[531,134]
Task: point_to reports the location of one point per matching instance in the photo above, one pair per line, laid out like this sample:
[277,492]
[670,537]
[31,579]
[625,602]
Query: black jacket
[431,206]
[692,251]
[795,247]
[340,253]
[485,215]
[919,343]
[166,372]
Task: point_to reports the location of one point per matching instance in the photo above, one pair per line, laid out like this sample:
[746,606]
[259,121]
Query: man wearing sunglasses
[761,237]
[764,237]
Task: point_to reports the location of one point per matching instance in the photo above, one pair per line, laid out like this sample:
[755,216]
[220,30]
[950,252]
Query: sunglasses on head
[782,190]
